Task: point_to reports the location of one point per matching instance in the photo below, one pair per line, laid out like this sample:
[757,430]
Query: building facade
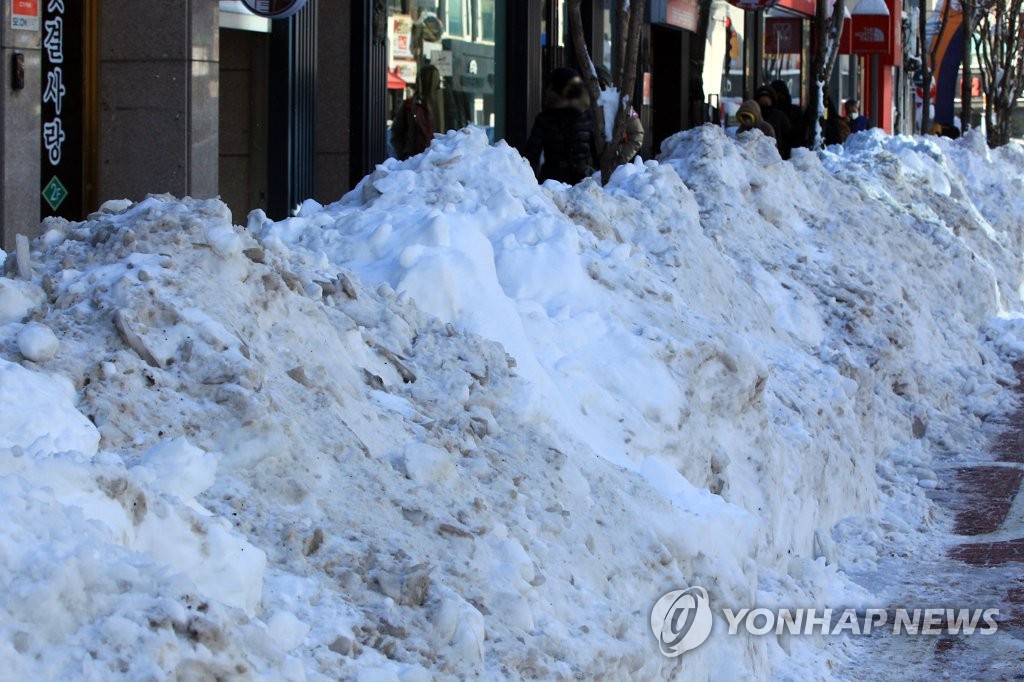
[111,99]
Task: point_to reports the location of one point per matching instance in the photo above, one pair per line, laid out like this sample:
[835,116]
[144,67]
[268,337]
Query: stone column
[20,133]
[158,98]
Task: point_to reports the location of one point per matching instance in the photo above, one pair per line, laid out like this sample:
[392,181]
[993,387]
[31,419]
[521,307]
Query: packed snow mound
[457,424]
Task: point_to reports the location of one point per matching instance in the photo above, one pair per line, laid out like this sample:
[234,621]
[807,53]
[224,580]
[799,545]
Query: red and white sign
[870,34]
[25,15]
[682,13]
[895,55]
[274,9]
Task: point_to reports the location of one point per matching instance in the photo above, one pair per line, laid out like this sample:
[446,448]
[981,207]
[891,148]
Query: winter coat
[832,127]
[632,139]
[420,116]
[859,124]
[428,87]
[797,118]
[754,108]
[774,115]
[563,133]
[412,129]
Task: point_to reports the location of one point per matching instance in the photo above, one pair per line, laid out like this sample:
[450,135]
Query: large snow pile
[459,425]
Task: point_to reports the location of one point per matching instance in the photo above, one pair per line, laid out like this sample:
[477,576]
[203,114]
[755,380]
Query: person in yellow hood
[749,117]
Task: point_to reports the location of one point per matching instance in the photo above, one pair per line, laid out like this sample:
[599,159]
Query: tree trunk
[827,31]
[627,50]
[589,71]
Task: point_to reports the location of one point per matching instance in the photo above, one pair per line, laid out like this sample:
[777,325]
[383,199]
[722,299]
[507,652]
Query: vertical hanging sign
[62,86]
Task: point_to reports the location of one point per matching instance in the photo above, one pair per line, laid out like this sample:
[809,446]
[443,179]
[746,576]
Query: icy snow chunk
[426,464]
[37,414]
[37,342]
[514,609]
[17,298]
[309,207]
[178,468]
[377,675]
[287,630]
[224,241]
[460,625]
[115,206]
[221,563]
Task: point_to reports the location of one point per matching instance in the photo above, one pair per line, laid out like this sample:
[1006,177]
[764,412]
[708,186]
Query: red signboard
[894,57]
[846,39]
[804,7]
[782,35]
[871,34]
[25,15]
[682,13]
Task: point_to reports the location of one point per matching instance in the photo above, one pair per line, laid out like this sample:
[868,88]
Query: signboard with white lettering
[25,15]
[61,105]
[274,9]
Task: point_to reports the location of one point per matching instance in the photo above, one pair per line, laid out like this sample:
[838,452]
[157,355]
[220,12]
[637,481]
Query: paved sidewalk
[988,507]
[981,566]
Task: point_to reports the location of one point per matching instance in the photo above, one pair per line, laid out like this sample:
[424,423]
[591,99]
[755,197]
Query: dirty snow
[458,425]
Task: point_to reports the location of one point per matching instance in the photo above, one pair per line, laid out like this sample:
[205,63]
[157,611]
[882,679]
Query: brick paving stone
[989,553]
[1009,445]
[984,495]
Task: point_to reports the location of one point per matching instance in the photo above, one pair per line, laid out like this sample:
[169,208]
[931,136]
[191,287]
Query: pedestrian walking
[853,117]
[562,144]
[749,117]
[772,114]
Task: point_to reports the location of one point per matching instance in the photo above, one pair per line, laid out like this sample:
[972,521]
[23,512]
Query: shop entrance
[669,84]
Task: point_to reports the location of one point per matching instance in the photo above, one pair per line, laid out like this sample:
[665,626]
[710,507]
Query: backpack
[412,129]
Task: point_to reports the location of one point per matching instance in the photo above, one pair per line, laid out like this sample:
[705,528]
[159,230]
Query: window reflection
[441,70]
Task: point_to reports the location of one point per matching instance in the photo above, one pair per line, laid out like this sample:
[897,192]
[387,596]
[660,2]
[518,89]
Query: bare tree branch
[999,41]
[627,49]
[828,29]
[589,71]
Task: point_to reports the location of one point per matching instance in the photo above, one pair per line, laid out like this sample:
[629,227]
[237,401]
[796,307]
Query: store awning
[395,81]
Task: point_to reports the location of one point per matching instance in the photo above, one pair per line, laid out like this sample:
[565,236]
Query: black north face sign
[274,9]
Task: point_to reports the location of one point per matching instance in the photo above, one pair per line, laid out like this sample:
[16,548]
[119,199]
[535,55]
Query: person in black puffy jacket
[562,145]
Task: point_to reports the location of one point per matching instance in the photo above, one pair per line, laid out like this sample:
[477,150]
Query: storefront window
[606,41]
[442,66]
[455,12]
[486,21]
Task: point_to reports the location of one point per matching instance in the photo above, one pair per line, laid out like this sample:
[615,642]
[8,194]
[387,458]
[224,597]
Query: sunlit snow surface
[459,425]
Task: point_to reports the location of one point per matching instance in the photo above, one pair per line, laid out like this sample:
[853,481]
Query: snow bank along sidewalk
[458,424]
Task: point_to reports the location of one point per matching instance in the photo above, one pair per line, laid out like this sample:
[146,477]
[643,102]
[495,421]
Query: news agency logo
[682,619]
